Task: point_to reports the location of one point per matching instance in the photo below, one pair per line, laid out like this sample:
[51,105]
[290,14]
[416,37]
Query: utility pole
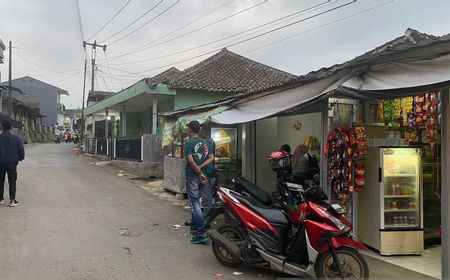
[10,81]
[94,49]
[84,98]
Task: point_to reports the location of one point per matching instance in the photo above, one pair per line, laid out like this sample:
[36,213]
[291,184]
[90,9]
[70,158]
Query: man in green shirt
[198,156]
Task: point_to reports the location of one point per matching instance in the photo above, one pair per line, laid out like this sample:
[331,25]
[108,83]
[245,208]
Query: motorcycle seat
[273,215]
[252,189]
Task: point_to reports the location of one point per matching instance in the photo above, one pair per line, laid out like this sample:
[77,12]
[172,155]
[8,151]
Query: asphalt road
[81,221]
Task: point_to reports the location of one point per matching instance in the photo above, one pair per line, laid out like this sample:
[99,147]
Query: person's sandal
[13,203]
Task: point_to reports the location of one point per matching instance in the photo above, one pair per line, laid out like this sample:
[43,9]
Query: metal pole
[445,192]
[10,81]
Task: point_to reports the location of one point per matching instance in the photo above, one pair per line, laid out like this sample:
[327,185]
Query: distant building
[72,119]
[46,96]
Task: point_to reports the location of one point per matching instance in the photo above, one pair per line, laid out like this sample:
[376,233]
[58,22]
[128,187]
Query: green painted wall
[187,98]
[134,124]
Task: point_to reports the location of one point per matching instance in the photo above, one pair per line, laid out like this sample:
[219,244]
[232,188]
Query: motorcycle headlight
[340,225]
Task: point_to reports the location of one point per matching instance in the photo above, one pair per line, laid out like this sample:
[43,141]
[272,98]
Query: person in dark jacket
[11,152]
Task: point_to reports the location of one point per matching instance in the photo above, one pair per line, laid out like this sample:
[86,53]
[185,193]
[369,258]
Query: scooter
[310,238]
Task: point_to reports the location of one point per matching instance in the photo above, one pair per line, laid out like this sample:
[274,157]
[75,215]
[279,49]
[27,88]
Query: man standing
[11,152]
[197,153]
[210,171]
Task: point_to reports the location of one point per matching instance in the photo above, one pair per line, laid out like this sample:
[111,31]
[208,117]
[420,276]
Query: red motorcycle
[308,237]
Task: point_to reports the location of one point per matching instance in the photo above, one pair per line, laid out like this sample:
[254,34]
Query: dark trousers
[12,178]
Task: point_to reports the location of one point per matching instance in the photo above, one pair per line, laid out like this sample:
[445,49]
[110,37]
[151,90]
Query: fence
[146,148]
[128,148]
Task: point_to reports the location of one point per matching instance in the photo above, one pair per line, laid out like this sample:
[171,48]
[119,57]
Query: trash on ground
[154,225]
[121,173]
[124,232]
[128,251]
[175,227]
[237,273]
[217,274]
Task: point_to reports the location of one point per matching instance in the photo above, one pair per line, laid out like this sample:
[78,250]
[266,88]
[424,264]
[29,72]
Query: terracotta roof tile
[164,76]
[229,72]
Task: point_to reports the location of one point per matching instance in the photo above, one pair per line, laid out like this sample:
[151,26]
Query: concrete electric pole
[93,53]
[94,49]
[10,82]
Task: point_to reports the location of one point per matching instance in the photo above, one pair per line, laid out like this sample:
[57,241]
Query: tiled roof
[164,76]
[411,37]
[99,95]
[229,72]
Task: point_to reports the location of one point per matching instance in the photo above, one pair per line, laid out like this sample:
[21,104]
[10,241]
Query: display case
[401,188]
[390,208]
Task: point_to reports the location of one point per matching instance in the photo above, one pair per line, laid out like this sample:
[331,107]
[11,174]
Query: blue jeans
[207,194]
[193,189]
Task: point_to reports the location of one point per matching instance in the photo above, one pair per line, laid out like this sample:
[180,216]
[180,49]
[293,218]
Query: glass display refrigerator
[390,208]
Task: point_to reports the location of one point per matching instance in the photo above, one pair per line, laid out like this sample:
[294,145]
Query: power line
[147,46]
[144,14]
[45,68]
[104,82]
[44,52]
[75,29]
[181,27]
[109,70]
[111,19]
[282,19]
[143,25]
[79,22]
[319,27]
[248,39]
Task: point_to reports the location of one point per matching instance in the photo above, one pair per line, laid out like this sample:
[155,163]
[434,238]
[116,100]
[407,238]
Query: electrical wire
[133,22]
[70,72]
[75,29]
[282,19]
[79,22]
[146,23]
[181,27]
[318,27]
[111,19]
[102,78]
[109,70]
[149,46]
[250,38]
[44,52]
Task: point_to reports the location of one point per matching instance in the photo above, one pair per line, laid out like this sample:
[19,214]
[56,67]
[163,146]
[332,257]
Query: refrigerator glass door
[401,181]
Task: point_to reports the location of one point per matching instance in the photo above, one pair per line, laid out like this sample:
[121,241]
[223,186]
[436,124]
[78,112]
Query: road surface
[80,221]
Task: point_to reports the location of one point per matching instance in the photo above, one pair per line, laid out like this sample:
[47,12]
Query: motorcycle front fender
[346,241]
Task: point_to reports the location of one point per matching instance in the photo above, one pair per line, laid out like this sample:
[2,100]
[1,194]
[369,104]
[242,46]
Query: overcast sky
[46,44]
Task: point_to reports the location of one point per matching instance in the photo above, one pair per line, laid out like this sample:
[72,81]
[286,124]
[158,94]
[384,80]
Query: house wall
[187,98]
[134,123]
[45,95]
[274,132]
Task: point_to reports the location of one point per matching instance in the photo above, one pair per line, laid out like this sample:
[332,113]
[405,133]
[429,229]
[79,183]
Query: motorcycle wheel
[353,265]
[233,234]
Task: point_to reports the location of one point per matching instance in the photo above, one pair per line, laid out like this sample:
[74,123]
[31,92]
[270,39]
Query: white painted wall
[272,133]
[311,126]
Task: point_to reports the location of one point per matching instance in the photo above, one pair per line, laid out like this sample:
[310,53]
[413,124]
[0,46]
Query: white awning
[381,77]
[265,106]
